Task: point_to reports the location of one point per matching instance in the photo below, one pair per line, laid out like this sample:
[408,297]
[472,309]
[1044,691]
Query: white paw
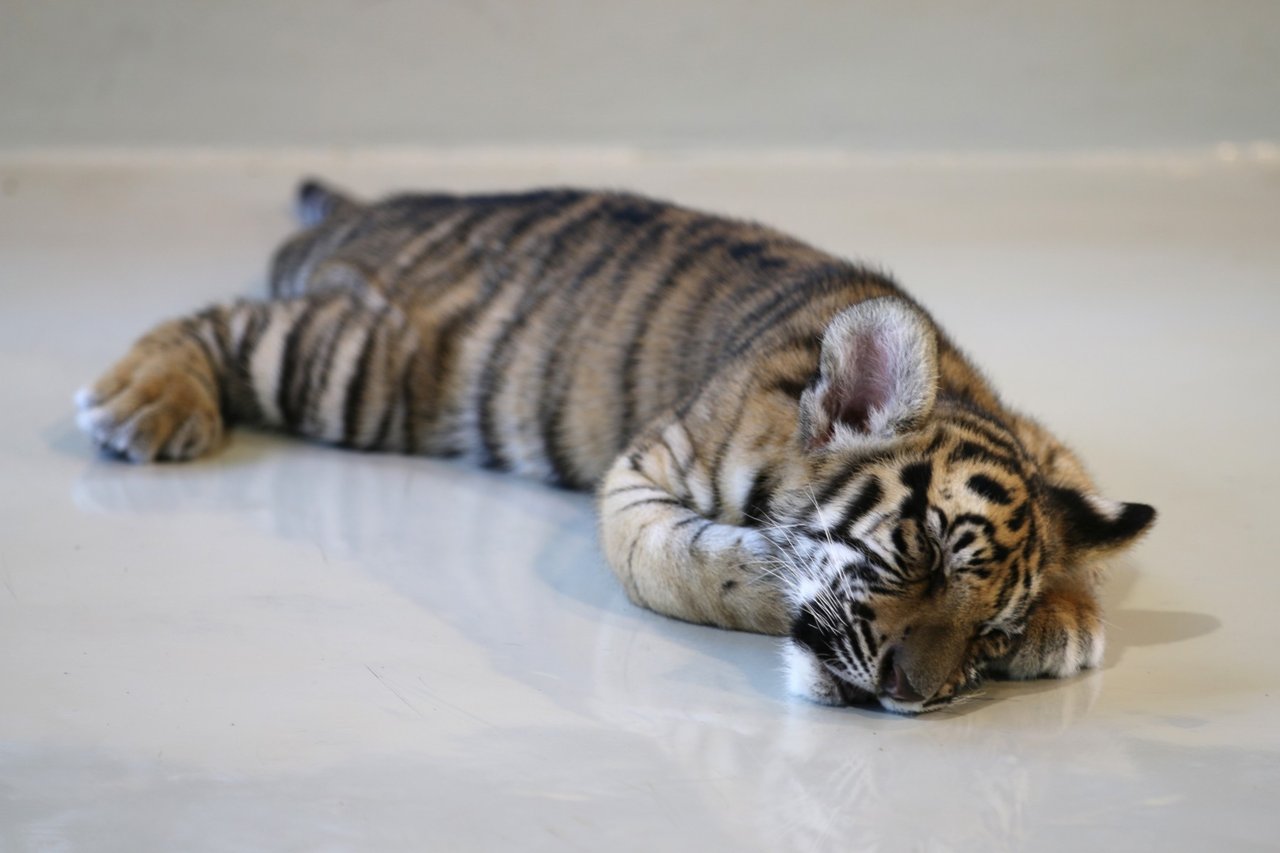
[808,679]
[150,413]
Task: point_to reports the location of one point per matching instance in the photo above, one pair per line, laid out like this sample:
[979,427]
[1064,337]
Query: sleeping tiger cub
[781,441]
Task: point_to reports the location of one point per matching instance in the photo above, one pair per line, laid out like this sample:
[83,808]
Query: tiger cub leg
[1064,635]
[674,560]
[327,366]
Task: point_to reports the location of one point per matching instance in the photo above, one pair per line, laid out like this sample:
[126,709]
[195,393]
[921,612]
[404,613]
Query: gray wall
[911,74]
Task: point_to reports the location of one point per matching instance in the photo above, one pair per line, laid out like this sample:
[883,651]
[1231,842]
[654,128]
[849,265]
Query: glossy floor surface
[289,647]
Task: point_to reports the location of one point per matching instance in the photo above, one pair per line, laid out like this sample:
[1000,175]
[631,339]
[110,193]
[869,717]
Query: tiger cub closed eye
[781,441]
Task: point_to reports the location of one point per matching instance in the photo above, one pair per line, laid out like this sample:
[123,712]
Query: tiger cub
[780,441]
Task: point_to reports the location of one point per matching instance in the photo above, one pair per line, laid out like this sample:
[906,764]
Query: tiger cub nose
[895,683]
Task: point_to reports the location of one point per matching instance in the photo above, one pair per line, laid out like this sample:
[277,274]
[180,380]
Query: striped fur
[781,441]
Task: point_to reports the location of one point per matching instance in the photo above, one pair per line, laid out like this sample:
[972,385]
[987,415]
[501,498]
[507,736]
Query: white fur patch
[342,366]
[1108,509]
[806,588]
[1097,647]
[741,478]
[264,364]
[1071,659]
[806,677]
[678,440]
[826,517]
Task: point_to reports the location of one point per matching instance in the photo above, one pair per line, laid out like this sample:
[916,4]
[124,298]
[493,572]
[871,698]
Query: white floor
[289,647]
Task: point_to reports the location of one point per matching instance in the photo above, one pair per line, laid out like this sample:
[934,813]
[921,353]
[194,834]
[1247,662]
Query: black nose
[895,683]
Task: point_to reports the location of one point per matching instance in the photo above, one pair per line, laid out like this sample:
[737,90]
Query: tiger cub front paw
[1064,636]
[148,408]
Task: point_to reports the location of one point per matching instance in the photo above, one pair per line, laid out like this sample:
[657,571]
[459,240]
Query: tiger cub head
[927,538]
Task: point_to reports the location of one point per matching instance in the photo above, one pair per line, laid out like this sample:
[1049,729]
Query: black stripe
[539,285]
[649,501]
[608,298]
[632,211]
[621,489]
[755,255]
[701,530]
[1011,579]
[990,428]
[694,347]
[701,335]
[874,559]
[420,222]
[286,400]
[782,300]
[259,319]
[806,340]
[790,387]
[455,254]
[989,489]
[869,644]
[682,465]
[353,405]
[916,477]
[236,397]
[967,451]
[807,630]
[409,402]
[977,571]
[900,541]
[191,328]
[861,610]
[818,280]
[868,497]
[498,249]
[555,379]
[379,441]
[841,479]
[538,204]
[858,571]
[981,521]
[319,368]
[649,307]
[936,443]
[1028,578]
[822,281]
[756,510]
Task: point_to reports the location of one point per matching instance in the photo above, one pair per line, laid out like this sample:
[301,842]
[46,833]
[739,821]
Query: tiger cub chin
[780,441]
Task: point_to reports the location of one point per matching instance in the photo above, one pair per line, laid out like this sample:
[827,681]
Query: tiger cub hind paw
[145,412]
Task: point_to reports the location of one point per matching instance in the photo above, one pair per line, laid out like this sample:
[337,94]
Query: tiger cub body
[781,441]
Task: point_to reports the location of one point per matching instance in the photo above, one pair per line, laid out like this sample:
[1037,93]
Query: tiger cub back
[562,322]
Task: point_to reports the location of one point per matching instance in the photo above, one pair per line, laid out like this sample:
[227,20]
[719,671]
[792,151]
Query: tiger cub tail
[316,201]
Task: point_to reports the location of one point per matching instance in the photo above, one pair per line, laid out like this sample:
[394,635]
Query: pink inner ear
[863,388]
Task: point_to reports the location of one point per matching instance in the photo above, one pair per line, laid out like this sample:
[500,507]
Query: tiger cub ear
[1094,525]
[877,375]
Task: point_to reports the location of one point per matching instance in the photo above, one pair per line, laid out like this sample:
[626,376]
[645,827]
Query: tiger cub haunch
[781,441]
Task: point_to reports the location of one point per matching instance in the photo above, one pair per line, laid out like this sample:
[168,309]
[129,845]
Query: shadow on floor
[1129,627]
